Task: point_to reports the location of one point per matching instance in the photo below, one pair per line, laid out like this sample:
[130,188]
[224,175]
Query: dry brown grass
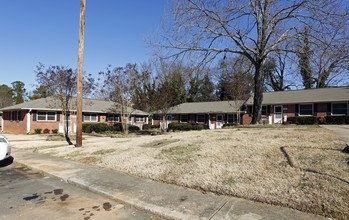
[245,162]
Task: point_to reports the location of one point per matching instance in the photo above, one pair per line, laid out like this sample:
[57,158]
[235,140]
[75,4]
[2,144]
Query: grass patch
[102,152]
[89,160]
[180,154]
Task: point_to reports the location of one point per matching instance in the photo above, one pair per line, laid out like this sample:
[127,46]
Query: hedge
[148,126]
[230,125]
[102,127]
[186,126]
[310,120]
[344,119]
[303,120]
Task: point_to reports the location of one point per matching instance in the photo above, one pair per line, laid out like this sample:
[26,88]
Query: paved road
[27,194]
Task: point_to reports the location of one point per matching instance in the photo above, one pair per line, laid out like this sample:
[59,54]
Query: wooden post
[80,72]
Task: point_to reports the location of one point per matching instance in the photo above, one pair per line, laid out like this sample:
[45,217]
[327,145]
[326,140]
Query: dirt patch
[160,143]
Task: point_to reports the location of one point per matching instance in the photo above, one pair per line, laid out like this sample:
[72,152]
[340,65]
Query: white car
[5,148]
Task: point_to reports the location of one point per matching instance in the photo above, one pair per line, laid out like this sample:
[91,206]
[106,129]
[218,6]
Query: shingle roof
[334,94]
[88,105]
[207,107]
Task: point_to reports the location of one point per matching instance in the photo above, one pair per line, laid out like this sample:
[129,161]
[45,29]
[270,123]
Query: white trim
[2,121]
[28,121]
[37,116]
[90,117]
[278,120]
[139,116]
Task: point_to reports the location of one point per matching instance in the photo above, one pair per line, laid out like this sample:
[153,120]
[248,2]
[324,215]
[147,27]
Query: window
[139,118]
[339,108]
[264,110]
[15,115]
[231,118]
[2,140]
[219,118]
[306,109]
[156,117]
[184,118]
[169,117]
[46,116]
[90,117]
[113,118]
[200,119]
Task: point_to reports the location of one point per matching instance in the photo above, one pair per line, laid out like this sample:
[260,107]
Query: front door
[219,121]
[278,114]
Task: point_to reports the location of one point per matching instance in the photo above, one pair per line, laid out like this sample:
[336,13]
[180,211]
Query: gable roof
[88,105]
[206,107]
[332,94]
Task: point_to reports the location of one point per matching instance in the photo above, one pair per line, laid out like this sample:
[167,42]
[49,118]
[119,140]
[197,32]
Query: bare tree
[253,28]
[60,81]
[121,84]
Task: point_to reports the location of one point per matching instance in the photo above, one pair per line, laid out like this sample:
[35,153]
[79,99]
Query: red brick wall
[18,127]
[321,109]
[44,124]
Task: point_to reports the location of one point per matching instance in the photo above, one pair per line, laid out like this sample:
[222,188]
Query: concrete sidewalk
[165,200]
[340,130]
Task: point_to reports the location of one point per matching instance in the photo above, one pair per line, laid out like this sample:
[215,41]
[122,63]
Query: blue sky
[46,31]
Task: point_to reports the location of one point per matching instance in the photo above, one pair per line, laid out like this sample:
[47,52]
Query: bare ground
[301,167]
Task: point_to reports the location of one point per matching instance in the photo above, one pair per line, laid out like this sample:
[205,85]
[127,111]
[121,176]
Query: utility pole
[80,72]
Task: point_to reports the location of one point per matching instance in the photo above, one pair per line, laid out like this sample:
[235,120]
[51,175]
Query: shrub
[230,125]
[343,119]
[321,120]
[38,131]
[116,127]
[292,120]
[148,126]
[55,131]
[285,123]
[133,128]
[302,120]
[96,127]
[46,131]
[186,126]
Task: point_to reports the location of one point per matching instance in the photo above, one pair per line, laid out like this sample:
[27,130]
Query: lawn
[300,167]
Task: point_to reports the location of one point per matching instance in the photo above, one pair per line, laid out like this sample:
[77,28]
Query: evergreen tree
[18,92]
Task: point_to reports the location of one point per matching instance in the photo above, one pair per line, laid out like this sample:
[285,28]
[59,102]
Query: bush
[38,131]
[230,125]
[55,131]
[321,120]
[133,128]
[116,127]
[186,126]
[148,126]
[285,123]
[302,120]
[95,127]
[343,119]
[46,131]
[292,120]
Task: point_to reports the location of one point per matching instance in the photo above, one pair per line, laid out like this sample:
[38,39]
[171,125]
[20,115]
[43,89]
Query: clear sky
[47,31]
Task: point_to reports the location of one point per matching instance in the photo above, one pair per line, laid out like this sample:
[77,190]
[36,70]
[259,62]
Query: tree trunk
[258,94]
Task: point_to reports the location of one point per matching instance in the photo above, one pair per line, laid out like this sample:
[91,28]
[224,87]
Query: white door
[219,121]
[278,114]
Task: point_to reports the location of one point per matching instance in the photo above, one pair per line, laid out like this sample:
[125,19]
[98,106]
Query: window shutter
[315,110]
[34,115]
[99,117]
[241,119]
[268,110]
[296,109]
[82,118]
[58,116]
[249,110]
[106,118]
[329,108]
